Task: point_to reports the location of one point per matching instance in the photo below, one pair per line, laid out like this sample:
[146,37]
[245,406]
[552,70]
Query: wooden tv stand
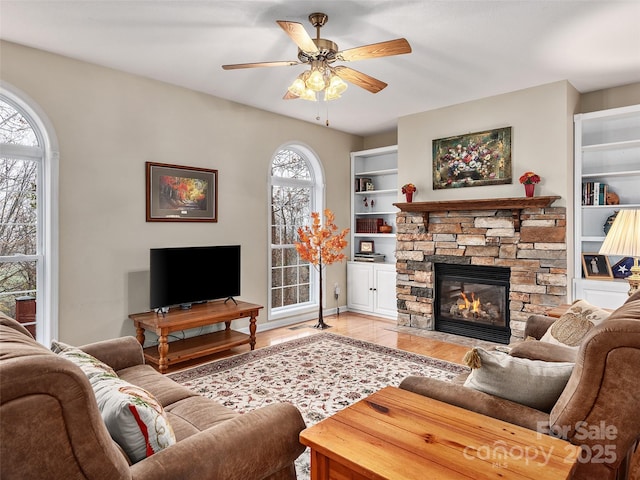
[170,353]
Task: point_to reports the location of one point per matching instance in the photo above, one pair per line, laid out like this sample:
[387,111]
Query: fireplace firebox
[472,301]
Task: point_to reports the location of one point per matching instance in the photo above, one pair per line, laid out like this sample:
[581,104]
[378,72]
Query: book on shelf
[368,225]
[369,257]
[361,184]
[594,193]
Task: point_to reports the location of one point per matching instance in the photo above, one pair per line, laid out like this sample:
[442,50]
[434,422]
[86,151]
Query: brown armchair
[598,409]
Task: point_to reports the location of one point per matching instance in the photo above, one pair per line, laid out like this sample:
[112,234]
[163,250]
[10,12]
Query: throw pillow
[534,383]
[133,416]
[574,324]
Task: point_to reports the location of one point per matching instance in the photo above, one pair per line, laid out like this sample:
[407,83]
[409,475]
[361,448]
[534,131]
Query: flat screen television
[186,275]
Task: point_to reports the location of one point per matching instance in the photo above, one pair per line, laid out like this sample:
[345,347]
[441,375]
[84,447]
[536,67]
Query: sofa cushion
[134,418]
[574,324]
[163,388]
[534,383]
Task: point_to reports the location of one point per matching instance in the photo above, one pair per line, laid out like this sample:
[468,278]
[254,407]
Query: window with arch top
[297,188]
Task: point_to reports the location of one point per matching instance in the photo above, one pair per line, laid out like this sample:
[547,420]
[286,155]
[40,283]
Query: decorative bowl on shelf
[385,228]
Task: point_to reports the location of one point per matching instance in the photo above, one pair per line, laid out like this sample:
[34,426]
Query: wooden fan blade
[285,63]
[360,79]
[375,50]
[299,35]
[289,96]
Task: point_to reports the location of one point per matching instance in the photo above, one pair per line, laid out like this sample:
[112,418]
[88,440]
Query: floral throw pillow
[133,416]
[573,325]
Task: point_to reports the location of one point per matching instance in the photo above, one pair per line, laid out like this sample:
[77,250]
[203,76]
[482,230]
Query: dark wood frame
[367,242]
[207,212]
[603,265]
[447,159]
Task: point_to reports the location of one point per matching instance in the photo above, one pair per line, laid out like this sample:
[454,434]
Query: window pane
[288,164]
[14,128]
[276,297]
[290,275]
[304,293]
[18,207]
[16,280]
[276,277]
[290,209]
[276,257]
[289,296]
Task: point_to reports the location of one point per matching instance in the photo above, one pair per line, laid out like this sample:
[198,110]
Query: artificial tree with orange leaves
[320,246]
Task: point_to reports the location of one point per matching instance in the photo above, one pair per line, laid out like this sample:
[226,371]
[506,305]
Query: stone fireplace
[524,236]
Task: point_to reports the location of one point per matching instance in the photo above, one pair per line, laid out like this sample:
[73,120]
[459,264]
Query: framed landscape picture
[473,159]
[181,194]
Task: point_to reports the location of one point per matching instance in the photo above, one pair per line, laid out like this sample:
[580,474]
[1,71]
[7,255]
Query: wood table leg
[227,325]
[163,349]
[140,335]
[252,330]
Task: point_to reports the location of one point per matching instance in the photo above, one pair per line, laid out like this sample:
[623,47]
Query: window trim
[300,311]
[47,272]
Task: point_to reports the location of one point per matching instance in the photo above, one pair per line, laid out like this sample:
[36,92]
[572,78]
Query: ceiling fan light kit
[320,53]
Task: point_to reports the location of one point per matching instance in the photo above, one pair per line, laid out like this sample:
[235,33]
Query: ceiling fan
[321,53]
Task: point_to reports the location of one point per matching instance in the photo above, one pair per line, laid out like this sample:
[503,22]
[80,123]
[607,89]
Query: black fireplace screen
[472,300]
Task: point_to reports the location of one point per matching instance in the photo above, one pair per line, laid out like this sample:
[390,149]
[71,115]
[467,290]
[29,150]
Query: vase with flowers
[529,180]
[409,189]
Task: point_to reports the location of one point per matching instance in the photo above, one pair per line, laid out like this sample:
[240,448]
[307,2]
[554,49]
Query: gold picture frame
[596,266]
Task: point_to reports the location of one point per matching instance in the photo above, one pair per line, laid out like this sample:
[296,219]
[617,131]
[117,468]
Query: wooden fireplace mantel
[516,205]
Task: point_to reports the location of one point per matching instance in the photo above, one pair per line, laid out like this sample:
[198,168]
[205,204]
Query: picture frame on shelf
[176,193]
[366,246]
[596,266]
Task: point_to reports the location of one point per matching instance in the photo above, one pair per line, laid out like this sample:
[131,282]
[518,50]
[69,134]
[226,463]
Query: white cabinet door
[360,286]
[385,290]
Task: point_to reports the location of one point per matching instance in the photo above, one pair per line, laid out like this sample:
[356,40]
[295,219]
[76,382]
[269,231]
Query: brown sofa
[603,391]
[51,426]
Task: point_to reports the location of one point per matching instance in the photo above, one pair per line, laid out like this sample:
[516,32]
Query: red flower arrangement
[409,188]
[529,177]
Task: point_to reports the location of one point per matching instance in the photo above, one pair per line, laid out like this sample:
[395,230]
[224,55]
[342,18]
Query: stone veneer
[536,255]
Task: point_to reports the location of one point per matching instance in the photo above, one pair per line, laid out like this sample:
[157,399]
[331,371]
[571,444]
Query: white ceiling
[462,50]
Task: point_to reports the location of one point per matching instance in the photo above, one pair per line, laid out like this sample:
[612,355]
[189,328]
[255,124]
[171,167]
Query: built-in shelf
[515,204]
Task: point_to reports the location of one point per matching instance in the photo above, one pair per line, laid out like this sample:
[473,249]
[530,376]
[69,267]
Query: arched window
[28,228]
[297,189]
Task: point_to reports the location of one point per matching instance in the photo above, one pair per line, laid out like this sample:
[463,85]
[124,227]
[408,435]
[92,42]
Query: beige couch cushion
[534,383]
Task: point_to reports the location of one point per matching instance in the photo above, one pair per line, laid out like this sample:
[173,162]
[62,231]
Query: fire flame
[473,305]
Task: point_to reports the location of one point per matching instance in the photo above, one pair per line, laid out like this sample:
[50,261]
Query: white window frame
[301,311]
[47,155]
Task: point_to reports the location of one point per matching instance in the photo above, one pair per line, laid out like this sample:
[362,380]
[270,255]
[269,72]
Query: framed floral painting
[473,159]
[181,194]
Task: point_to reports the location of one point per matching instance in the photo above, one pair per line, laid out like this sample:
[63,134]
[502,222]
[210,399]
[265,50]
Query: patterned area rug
[320,374]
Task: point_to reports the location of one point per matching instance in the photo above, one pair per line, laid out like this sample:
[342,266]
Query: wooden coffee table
[397,435]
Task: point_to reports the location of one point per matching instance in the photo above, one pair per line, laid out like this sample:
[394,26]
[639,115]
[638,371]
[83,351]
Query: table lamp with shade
[624,239]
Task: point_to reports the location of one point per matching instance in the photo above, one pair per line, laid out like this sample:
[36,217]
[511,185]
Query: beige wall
[610,98]
[540,135]
[542,141]
[108,124]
